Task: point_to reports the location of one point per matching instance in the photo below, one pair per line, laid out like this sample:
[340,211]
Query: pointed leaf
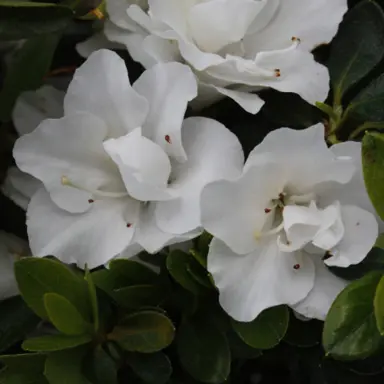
[64,316]
[350,330]
[55,343]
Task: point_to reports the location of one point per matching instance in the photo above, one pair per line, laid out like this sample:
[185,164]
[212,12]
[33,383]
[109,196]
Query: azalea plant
[192,191]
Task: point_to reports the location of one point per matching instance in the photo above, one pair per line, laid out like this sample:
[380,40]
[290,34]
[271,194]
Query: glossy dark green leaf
[65,367]
[153,368]
[351,57]
[36,277]
[134,272]
[177,265]
[64,316]
[373,169]
[267,330]
[350,330]
[379,306]
[203,351]
[27,70]
[138,296]
[100,368]
[240,350]
[23,20]
[93,300]
[145,331]
[108,280]
[16,321]
[55,343]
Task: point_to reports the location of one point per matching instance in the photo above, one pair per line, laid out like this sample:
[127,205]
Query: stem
[328,110]
[367,125]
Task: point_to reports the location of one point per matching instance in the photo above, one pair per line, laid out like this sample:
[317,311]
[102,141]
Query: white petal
[315,22]
[11,247]
[20,187]
[212,33]
[94,43]
[168,87]
[361,231]
[304,158]
[151,237]
[117,12]
[161,50]
[250,283]
[32,107]
[70,147]
[90,238]
[143,165]
[327,286]
[213,153]
[234,211]
[101,87]
[208,94]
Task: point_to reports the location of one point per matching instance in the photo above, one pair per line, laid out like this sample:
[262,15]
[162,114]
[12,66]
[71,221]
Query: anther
[267,210]
[96,12]
[296,267]
[277,72]
[90,201]
[129,225]
[168,139]
[296,39]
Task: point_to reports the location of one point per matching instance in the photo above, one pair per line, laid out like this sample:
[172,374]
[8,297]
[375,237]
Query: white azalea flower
[267,44]
[11,248]
[121,169]
[32,107]
[297,208]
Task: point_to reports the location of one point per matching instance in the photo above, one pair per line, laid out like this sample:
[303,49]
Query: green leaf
[177,265]
[146,331]
[100,368]
[373,169]
[153,368]
[16,321]
[267,330]
[138,296]
[380,242]
[134,272]
[203,351]
[27,71]
[240,350]
[64,316]
[351,57]
[93,300]
[379,306]
[23,20]
[108,281]
[36,277]
[367,105]
[23,369]
[350,330]
[55,343]
[65,367]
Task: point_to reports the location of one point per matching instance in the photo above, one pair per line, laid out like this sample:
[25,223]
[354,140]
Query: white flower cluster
[109,168]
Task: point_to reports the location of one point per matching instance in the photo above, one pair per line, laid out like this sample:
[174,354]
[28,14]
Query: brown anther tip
[294,38]
[296,266]
[267,210]
[129,225]
[90,201]
[168,139]
[277,72]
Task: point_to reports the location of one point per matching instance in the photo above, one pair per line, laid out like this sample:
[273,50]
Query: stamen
[97,12]
[277,72]
[67,182]
[168,139]
[267,210]
[90,201]
[296,266]
[273,231]
[129,225]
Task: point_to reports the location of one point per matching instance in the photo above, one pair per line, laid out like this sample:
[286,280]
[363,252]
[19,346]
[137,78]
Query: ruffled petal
[101,87]
[266,277]
[213,153]
[91,238]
